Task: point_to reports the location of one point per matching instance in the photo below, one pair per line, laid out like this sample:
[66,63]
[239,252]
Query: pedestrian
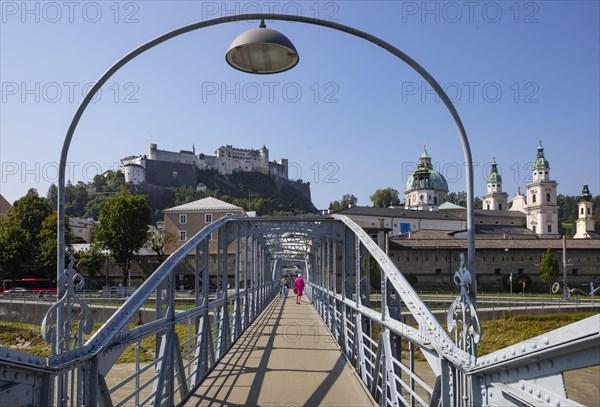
[285,286]
[298,288]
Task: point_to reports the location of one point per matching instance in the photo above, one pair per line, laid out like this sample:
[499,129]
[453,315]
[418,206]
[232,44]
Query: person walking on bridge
[298,288]
[284,287]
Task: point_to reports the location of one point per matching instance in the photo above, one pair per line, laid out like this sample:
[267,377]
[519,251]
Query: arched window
[588,210]
[533,198]
[547,197]
[488,207]
[499,207]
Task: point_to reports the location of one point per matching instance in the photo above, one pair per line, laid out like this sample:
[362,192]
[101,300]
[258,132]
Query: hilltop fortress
[175,169]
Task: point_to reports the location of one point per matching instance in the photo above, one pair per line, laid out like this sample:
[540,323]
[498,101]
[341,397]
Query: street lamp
[265,51]
[262,51]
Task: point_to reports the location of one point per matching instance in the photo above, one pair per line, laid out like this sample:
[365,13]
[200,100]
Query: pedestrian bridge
[249,346]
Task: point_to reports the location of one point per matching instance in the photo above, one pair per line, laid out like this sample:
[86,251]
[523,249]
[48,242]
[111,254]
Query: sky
[351,118]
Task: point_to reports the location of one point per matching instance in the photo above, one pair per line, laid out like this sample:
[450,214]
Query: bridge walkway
[286,357]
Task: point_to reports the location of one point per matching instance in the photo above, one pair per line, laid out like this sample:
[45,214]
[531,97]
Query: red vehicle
[28,286]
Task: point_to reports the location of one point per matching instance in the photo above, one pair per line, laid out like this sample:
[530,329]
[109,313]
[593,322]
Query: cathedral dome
[428,179]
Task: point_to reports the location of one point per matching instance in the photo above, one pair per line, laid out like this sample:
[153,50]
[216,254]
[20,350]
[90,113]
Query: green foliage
[344,203]
[123,228]
[384,198]
[460,198]
[184,195]
[45,255]
[76,198]
[549,267]
[14,248]
[90,261]
[29,212]
[94,206]
[26,238]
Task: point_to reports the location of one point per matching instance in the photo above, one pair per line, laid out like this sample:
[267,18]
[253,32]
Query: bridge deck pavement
[287,357]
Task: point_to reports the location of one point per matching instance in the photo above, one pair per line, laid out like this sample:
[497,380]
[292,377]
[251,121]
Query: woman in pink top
[299,288]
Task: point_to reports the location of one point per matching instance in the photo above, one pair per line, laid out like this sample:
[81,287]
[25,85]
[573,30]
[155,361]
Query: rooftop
[398,213]
[205,204]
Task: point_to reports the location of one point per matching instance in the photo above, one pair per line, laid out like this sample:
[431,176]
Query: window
[438,271]
[183,218]
[229,214]
[588,210]
[497,271]
[487,207]
[499,207]
[519,271]
[208,218]
[435,200]
[547,197]
[549,228]
[534,229]
[533,198]
[182,235]
[574,271]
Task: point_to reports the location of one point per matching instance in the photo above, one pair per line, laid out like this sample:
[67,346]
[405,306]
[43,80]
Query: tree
[160,239]
[20,232]
[52,196]
[384,198]
[29,213]
[90,261]
[94,206]
[14,250]
[76,198]
[45,255]
[549,267]
[123,228]
[346,201]
[460,198]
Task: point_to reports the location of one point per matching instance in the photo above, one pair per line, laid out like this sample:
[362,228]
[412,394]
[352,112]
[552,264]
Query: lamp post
[564,259]
[264,52]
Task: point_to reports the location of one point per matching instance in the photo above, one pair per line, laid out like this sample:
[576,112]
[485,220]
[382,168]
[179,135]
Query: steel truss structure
[176,349]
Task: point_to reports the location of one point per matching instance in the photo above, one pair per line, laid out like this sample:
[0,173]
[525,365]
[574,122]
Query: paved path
[287,357]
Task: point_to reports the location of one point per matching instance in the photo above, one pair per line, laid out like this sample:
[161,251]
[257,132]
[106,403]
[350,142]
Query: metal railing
[170,353]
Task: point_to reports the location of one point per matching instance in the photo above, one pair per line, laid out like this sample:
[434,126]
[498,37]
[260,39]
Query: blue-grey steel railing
[173,352]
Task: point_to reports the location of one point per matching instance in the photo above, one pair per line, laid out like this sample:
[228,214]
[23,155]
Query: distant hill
[252,191]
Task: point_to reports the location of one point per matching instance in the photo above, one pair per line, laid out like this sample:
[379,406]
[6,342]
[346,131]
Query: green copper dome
[431,179]
[540,162]
[494,177]
[425,177]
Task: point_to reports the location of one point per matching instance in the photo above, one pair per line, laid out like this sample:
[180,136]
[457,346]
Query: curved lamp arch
[282,17]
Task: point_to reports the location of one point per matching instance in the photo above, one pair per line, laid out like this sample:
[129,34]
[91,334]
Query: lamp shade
[262,51]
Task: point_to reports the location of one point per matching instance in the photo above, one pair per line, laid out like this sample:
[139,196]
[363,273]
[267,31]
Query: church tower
[495,199]
[425,189]
[585,222]
[541,208]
